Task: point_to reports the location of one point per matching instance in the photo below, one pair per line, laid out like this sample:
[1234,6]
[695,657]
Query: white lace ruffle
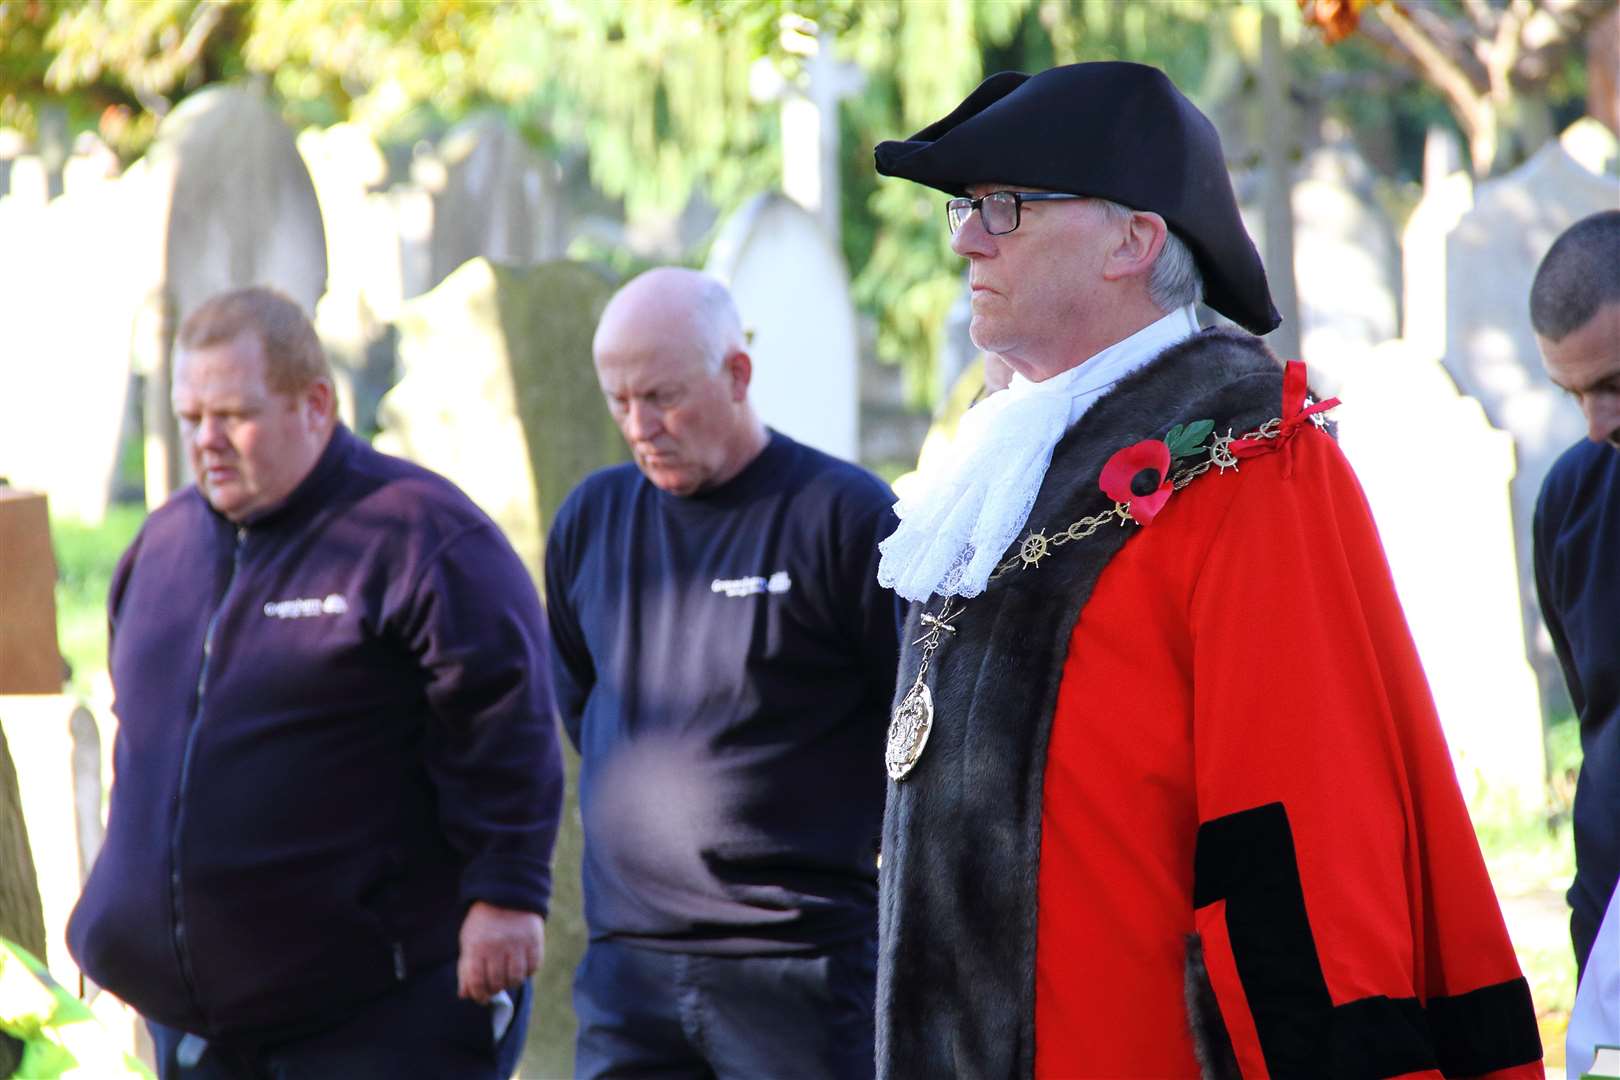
[976,496]
[973,505]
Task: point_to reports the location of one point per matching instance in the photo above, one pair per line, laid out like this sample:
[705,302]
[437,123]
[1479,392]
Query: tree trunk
[22,918]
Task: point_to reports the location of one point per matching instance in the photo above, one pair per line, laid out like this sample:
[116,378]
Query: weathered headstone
[22,918]
[1345,263]
[64,342]
[1450,548]
[39,732]
[809,111]
[1491,259]
[93,163]
[228,203]
[498,199]
[792,288]
[498,393]
[1448,194]
[364,282]
[12,145]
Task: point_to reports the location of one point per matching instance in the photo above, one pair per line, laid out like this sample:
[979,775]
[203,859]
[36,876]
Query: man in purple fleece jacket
[338,781]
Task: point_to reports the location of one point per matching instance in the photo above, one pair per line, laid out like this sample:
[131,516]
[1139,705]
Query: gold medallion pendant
[908,730]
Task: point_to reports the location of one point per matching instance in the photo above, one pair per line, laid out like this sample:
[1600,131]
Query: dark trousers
[646,1013]
[420,1030]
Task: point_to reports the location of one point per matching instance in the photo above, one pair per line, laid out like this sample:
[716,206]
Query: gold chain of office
[914,717]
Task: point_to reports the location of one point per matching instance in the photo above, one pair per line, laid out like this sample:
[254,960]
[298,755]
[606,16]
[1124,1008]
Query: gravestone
[498,393]
[1346,263]
[1447,532]
[497,390]
[364,278]
[64,342]
[1448,194]
[1491,259]
[22,918]
[226,202]
[93,163]
[40,735]
[12,146]
[498,199]
[792,289]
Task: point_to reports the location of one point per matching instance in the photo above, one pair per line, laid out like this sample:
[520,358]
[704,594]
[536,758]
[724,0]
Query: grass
[85,558]
[1531,858]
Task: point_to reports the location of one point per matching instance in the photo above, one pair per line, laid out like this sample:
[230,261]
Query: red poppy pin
[1138,477]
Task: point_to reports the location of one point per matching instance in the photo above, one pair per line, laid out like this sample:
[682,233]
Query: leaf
[1186,440]
[1199,431]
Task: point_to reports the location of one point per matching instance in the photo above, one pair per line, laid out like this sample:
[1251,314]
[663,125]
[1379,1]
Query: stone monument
[792,288]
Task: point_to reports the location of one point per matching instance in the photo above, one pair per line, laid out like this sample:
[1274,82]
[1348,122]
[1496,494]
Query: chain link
[1037,545]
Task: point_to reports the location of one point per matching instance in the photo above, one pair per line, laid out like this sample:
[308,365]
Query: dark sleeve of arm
[115,590]
[478,632]
[572,672]
[1549,510]
[876,614]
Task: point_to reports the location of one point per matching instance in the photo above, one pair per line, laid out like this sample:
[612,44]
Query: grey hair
[1174,281]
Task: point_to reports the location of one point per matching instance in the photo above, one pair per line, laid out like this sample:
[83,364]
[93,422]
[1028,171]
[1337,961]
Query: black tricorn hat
[1111,130]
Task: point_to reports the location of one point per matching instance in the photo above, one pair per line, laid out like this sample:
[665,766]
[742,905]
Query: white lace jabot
[970,505]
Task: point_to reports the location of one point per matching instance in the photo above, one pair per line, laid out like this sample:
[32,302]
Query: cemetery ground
[1530,855]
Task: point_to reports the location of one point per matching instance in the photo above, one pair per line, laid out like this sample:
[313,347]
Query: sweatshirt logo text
[306,608]
[778,582]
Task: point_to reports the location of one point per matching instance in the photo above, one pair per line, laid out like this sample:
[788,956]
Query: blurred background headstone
[498,199]
[228,203]
[1491,349]
[801,324]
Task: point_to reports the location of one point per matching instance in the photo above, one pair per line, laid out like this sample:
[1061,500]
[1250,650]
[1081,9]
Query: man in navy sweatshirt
[329,844]
[1575,310]
[724,662]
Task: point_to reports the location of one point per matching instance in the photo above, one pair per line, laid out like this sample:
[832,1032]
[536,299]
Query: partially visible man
[1169,793]
[338,781]
[724,661]
[1575,310]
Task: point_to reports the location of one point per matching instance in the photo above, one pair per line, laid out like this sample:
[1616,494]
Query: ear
[739,369]
[319,403]
[1139,245]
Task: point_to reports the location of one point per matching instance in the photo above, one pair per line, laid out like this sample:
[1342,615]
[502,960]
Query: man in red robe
[1169,797]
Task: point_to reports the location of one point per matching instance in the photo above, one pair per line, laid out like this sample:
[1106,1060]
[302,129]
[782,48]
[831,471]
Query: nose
[210,433]
[972,239]
[642,421]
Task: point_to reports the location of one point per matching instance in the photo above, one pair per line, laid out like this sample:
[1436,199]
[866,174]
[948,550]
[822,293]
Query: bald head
[673,302]
[671,359]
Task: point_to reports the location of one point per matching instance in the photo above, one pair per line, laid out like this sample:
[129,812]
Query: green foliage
[659,93]
[85,558]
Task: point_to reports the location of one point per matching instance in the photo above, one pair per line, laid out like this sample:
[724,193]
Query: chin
[982,332]
[673,482]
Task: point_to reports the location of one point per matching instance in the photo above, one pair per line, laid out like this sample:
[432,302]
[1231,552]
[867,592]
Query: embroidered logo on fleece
[306,608]
[778,582]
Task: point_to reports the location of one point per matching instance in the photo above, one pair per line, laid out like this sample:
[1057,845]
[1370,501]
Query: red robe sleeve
[1348,924]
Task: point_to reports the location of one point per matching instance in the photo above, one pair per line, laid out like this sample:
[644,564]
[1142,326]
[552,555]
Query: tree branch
[1501,51]
[1556,29]
[1462,91]
[1485,17]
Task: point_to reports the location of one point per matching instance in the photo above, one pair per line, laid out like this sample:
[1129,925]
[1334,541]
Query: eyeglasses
[999,210]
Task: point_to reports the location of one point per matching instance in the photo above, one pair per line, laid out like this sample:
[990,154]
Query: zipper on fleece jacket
[182,951]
